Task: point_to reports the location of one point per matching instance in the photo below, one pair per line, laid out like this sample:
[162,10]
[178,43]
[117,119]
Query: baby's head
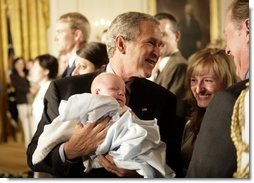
[110,85]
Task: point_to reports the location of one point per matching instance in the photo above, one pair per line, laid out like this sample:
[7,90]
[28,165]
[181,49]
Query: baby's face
[116,89]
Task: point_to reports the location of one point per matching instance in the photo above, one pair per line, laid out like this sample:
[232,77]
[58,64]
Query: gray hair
[240,11]
[126,25]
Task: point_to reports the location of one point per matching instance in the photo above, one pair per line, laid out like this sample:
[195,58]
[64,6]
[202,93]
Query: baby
[134,144]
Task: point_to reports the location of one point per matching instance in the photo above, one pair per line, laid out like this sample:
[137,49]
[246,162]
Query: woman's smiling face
[204,86]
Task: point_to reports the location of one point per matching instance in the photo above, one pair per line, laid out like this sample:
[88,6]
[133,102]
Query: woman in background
[45,69]
[19,81]
[91,57]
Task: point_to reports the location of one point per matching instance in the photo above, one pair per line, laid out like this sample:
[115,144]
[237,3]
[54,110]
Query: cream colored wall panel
[100,11]
[95,10]
[65,6]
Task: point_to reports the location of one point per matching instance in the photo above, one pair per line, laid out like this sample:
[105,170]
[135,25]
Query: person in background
[62,64]
[19,81]
[214,153]
[72,32]
[170,70]
[90,57]
[209,70]
[12,112]
[133,46]
[44,70]
[30,95]
[29,64]
[191,32]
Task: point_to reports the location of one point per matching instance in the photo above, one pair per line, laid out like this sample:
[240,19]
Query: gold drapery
[3,68]
[29,22]
[152,7]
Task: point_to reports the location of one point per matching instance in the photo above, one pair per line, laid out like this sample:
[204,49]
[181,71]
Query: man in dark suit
[214,153]
[133,42]
[72,31]
[172,67]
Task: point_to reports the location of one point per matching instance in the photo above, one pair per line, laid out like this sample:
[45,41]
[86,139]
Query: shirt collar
[109,69]
[247,74]
[72,59]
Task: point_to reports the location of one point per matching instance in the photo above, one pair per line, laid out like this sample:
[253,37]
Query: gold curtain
[29,22]
[152,7]
[3,68]
[215,25]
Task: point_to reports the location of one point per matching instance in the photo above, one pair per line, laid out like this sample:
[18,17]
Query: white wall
[94,10]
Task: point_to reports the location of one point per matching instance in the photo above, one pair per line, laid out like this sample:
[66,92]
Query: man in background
[171,67]
[72,31]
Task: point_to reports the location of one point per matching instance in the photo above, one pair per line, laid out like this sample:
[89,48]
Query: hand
[107,162]
[86,138]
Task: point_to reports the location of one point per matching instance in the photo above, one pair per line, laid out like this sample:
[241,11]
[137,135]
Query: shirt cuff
[62,155]
[61,152]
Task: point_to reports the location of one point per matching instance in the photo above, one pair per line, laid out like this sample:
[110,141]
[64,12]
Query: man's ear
[178,35]
[46,72]
[247,28]
[247,25]
[78,35]
[120,44]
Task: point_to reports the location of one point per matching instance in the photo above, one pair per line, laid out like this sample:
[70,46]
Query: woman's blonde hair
[208,60]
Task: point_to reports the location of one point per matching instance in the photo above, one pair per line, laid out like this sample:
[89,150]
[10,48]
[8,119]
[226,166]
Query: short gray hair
[126,25]
[240,11]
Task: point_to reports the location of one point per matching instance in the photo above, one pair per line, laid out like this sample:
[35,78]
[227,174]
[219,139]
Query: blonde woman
[209,71]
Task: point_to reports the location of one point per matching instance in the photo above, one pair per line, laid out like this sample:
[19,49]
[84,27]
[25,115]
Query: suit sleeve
[168,134]
[52,163]
[214,153]
[175,85]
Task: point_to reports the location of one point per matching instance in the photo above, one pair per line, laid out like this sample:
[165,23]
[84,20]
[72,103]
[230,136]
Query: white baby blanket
[134,144]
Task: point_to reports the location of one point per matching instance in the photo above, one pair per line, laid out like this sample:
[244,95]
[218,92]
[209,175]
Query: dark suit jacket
[172,78]
[147,100]
[214,153]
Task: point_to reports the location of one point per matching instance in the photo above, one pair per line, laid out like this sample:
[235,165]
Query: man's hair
[240,11]
[169,17]
[126,25]
[77,21]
